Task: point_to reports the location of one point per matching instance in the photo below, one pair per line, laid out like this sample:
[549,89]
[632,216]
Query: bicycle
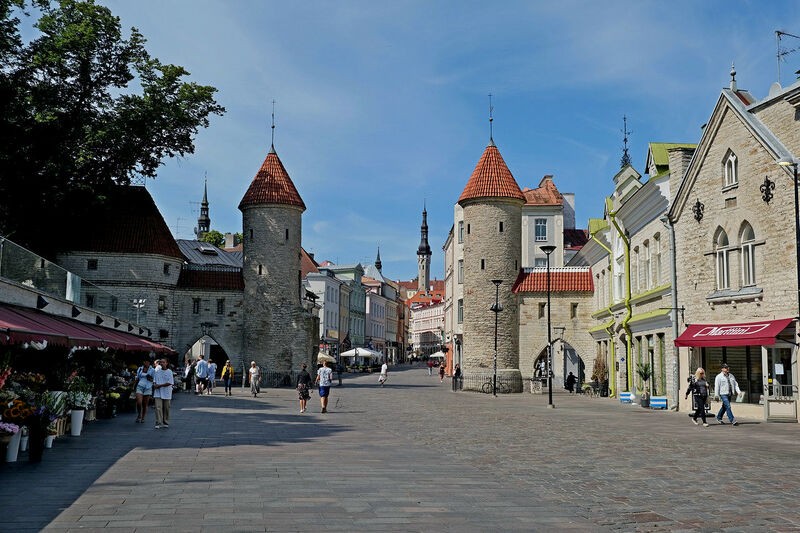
[502,386]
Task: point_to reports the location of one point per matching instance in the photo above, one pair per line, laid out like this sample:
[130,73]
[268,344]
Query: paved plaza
[411,456]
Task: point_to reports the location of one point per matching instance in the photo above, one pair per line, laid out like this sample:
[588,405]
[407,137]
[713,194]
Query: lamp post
[548,249]
[496,308]
[788,162]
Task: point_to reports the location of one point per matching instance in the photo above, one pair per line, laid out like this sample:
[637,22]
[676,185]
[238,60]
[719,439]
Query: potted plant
[645,373]
[78,400]
[600,375]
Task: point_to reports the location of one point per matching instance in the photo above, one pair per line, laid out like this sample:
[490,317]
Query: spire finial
[491,119]
[733,77]
[626,158]
[272,142]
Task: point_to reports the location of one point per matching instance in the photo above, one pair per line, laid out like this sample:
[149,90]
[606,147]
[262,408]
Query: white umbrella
[322,356]
[366,353]
[437,355]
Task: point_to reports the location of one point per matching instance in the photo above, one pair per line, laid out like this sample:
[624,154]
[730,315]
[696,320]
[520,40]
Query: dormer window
[731,169]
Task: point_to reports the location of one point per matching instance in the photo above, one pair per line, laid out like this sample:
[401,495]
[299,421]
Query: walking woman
[227,377]
[255,377]
[303,384]
[698,387]
[144,389]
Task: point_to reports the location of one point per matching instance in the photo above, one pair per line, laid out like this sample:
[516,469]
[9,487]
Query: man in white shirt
[384,373]
[725,386]
[201,374]
[163,381]
[324,375]
[212,375]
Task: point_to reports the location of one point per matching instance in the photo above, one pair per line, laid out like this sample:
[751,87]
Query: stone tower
[492,203]
[424,256]
[203,221]
[276,327]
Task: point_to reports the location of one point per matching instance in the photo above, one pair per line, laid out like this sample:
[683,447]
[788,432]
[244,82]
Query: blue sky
[381,106]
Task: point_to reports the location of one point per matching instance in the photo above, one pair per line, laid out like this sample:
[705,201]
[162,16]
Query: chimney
[679,159]
[229,240]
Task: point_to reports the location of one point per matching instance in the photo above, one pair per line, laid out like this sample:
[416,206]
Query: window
[251,234]
[467,229]
[501,226]
[220,306]
[573,310]
[195,306]
[748,255]
[162,305]
[163,334]
[461,271]
[542,307]
[731,170]
[114,304]
[460,231]
[460,311]
[721,254]
[483,264]
[637,271]
[619,279]
[540,262]
[166,269]
[287,234]
[260,270]
[91,264]
[646,265]
[540,225]
[657,260]
[90,300]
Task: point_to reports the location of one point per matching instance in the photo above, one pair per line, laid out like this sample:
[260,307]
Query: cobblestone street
[411,456]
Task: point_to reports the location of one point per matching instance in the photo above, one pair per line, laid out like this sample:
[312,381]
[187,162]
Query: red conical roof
[272,185]
[491,178]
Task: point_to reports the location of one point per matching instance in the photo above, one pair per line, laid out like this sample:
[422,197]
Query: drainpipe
[612,378]
[676,388]
[626,242]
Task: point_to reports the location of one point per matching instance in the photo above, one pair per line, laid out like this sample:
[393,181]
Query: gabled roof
[307,263]
[491,178]
[272,185]
[203,253]
[562,279]
[211,277]
[128,223]
[546,194]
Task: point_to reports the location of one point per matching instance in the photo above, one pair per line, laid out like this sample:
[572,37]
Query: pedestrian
[163,381]
[324,375]
[570,383]
[725,388]
[212,376]
[457,377]
[227,377]
[200,374]
[698,387]
[430,367]
[303,386]
[188,374]
[144,389]
[441,372]
[255,377]
[384,373]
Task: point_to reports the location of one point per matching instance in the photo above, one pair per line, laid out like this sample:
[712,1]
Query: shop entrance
[780,389]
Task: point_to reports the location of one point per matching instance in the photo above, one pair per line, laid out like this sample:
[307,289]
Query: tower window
[501,226]
[483,264]
[287,234]
[467,229]
[91,264]
[541,309]
[195,306]
[220,306]
[260,270]
[251,234]
[90,300]
[162,305]
[166,269]
[573,310]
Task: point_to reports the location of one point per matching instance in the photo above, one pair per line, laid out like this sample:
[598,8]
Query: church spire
[378,263]
[424,255]
[626,158]
[203,221]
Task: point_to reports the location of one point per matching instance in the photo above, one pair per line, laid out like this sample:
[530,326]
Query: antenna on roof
[491,133]
[626,158]
[272,141]
[781,51]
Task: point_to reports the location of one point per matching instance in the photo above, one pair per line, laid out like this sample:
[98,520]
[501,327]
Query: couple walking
[324,379]
[725,388]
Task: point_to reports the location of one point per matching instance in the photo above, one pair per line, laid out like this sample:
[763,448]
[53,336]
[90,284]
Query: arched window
[721,254]
[646,265]
[731,169]
[657,259]
[747,239]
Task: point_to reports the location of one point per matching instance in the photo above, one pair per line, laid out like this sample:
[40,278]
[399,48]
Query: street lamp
[548,249]
[496,308]
[788,162]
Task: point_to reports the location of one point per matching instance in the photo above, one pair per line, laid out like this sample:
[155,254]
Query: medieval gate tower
[492,202]
[276,327]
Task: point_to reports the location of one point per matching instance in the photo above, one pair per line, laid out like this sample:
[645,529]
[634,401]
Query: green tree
[83,109]
[214,237]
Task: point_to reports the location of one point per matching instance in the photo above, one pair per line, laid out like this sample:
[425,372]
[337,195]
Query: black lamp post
[548,249]
[496,308]
[787,162]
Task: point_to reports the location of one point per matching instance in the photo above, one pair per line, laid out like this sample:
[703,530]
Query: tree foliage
[214,237]
[82,109]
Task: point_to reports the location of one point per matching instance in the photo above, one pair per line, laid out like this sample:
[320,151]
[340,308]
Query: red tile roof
[307,263]
[491,178]
[562,279]
[129,223]
[546,194]
[211,278]
[272,185]
[575,239]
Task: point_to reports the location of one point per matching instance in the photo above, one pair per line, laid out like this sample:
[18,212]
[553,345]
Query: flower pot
[23,443]
[48,441]
[12,451]
[91,414]
[76,422]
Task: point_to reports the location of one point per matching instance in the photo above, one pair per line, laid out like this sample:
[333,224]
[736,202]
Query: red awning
[20,324]
[743,334]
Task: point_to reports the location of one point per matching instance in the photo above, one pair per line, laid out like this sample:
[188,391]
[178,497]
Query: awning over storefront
[19,324]
[744,334]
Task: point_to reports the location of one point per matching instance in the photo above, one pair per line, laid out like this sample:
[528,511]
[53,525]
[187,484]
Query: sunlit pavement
[411,456]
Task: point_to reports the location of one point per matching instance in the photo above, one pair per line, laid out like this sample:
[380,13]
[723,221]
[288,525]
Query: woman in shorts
[144,389]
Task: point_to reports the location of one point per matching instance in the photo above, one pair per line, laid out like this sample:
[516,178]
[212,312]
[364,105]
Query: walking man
[725,388]
[212,375]
[324,375]
[384,373]
[162,385]
[201,374]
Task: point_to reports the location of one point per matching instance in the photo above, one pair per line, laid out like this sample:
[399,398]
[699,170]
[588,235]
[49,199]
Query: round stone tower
[492,203]
[275,325]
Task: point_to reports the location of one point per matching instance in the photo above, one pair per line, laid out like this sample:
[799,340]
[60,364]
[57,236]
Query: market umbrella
[437,355]
[366,353]
[322,356]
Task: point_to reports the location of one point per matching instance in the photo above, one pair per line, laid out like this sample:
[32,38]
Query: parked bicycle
[502,386]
